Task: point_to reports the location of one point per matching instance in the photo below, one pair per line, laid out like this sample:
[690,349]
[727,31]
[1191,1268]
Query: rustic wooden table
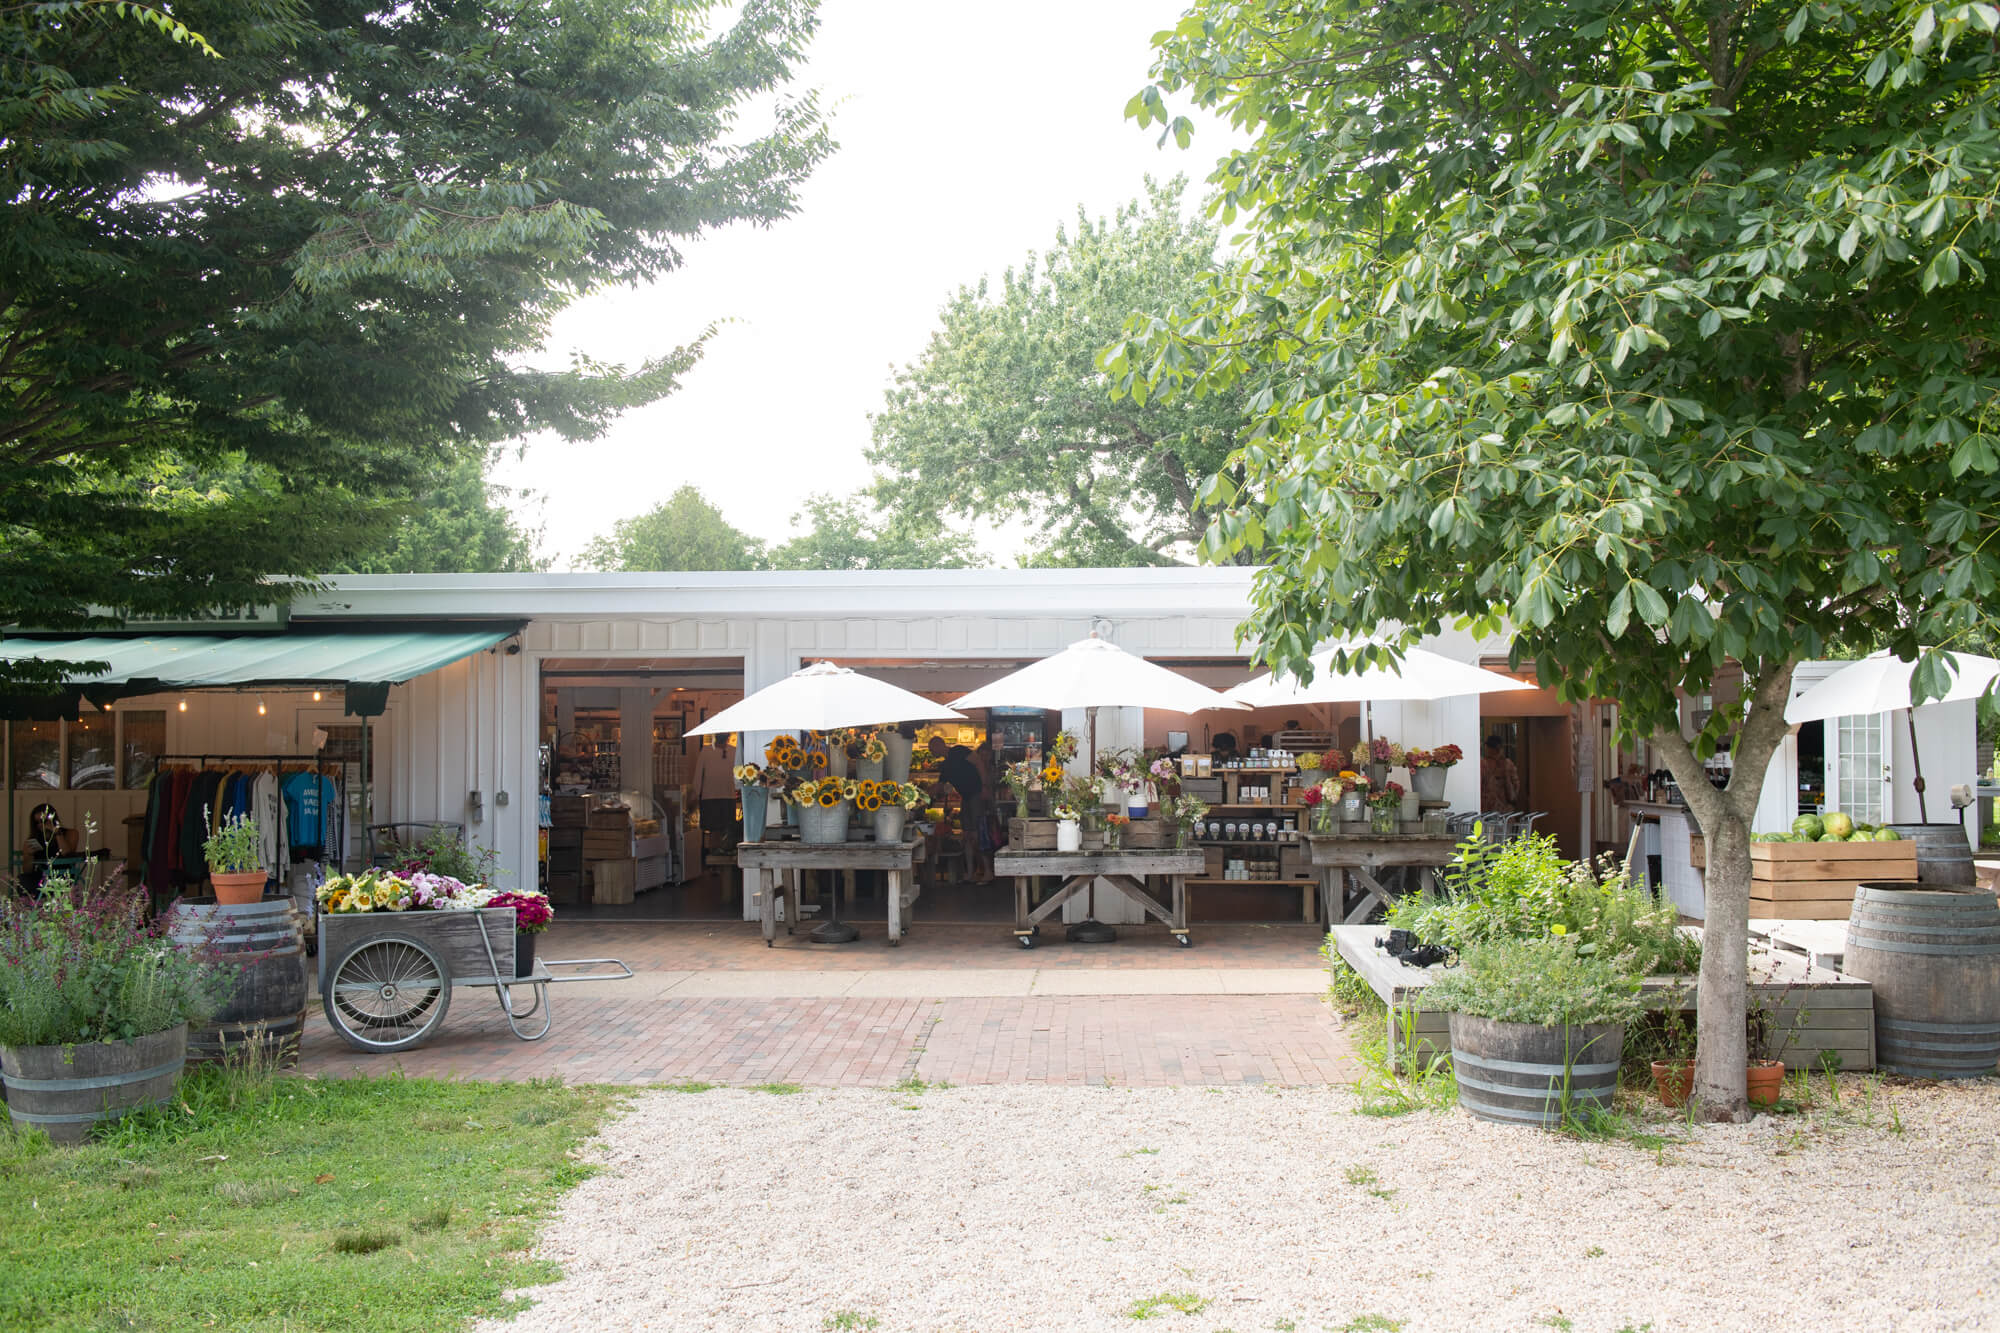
[1126,870]
[778,866]
[1341,856]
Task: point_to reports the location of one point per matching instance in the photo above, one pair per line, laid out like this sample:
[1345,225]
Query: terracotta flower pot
[237,887]
[1673,1079]
[1765,1079]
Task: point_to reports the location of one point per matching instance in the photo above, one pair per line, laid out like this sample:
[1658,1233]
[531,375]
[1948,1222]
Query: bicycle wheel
[387,994]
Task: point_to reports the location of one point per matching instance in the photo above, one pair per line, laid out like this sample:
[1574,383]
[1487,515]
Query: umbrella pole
[1090,930]
[1917,763]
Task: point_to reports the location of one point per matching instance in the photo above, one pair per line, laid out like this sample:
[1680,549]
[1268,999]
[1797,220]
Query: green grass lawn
[290,1203]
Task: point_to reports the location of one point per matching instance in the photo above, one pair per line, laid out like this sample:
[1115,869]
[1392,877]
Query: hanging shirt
[269,812]
[714,775]
[305,819]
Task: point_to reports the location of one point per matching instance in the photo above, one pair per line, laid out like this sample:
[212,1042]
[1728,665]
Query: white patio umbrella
[1091,674]
[819,698]
[1420,677]
[1879,683]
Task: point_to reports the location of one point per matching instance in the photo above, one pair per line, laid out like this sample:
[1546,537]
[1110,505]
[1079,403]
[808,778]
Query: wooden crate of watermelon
[1815,881]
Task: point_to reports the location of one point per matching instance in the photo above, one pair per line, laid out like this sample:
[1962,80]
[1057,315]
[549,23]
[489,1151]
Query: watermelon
[1808,826]
[1839,825]
[1887,835]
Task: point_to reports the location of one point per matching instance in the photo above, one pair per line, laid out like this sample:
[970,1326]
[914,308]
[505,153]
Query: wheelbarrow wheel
[387,994]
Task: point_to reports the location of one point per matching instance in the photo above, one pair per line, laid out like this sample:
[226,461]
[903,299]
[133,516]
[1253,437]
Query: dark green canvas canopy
[158,662]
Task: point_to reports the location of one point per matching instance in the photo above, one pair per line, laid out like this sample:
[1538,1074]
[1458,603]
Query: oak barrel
[1513,1073]
[265,946]
[1932,954]
[1943,854]
[64,1090]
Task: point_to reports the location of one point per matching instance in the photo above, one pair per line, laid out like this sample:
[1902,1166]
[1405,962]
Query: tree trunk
[1721,1034]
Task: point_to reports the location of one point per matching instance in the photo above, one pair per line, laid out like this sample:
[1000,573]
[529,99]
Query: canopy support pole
[1090,930]
[1916,762]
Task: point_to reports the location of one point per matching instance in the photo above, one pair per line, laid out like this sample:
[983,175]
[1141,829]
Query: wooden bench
[1814,1009]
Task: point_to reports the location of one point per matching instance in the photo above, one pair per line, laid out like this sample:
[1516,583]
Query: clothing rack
[316,760]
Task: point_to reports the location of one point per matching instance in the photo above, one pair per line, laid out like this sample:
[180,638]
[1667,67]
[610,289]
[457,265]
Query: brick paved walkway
[1096,1027]
[1126,1040]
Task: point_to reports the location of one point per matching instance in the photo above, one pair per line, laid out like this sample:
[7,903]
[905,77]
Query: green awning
[195,661]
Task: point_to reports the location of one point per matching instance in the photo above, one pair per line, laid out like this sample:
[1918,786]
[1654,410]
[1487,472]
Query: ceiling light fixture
[184,705]
[260,705]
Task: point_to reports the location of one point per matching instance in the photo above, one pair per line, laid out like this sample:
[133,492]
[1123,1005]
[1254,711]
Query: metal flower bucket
[820,825]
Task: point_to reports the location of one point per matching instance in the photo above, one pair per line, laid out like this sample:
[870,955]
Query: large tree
[849,534]
[326,239]
[684,531]
[462,523]
[1007,416]
[1658,337]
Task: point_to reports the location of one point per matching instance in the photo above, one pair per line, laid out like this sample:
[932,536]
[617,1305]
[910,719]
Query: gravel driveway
[1010,1207]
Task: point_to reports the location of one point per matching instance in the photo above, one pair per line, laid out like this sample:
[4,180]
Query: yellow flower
[1053,773]
[819,759]
[1558,930]
[828,798]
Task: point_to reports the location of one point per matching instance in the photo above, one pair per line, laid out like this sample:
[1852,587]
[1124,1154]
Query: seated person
[47,839]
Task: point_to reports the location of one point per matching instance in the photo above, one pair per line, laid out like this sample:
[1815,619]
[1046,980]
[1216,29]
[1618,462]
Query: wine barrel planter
[1932,954]
[64,1090]
[263,943]
[1943,854]
[1513,1073]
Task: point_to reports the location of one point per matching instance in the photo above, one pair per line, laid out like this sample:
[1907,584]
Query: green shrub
[1550,982]
[82,964]
[1525,888]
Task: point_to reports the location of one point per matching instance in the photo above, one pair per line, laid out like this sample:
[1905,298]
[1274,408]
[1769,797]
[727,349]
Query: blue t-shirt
[305,818]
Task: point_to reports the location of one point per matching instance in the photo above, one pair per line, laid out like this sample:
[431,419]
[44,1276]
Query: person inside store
[960,773]
[715,796]
[47,839]
[1499,778]
[1223,745]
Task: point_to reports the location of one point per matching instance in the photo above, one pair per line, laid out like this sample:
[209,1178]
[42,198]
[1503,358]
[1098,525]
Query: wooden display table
[1125,870]
[778,865]
[1339,856]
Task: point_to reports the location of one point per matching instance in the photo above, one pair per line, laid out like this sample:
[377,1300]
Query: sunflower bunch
[784,751]
[826,793]
[1052,773]
[370,891]
[873,748]
[868,797]
[747,775]
[906,794]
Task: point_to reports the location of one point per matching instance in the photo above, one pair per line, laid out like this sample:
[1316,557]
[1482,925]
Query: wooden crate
[1031,835]
[613,817]
[606,845]
[613,882]
[568,811]
[1149,833]
[1815,881]
[565,886]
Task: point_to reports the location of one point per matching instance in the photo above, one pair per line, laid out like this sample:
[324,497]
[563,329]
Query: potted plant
[754,790]
[1429,769]
[236,861]
[1537,1027]
[1673,1069]
[1764,1075]
[1385,807]
[824,806]
[532,915]
[1383,755]
[94,1004]
[871,753]
[1352,788]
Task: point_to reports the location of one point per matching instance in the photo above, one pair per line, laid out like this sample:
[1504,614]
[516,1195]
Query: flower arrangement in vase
[1385,807]
[1428,769]
[1319,810]
[1114,829]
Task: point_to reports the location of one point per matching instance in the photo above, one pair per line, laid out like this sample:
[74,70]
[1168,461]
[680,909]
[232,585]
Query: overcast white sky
[967,134]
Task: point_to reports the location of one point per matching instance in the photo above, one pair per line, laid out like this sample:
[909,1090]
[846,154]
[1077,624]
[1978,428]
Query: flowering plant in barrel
[95,997]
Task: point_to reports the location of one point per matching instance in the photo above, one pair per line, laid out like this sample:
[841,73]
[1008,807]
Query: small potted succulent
[236,861]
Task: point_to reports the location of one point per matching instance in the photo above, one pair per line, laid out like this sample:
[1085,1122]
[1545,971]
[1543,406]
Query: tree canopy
[1007,415]
[325,238]
[684,531]
[460,524]
[849,534]
[1656,338]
